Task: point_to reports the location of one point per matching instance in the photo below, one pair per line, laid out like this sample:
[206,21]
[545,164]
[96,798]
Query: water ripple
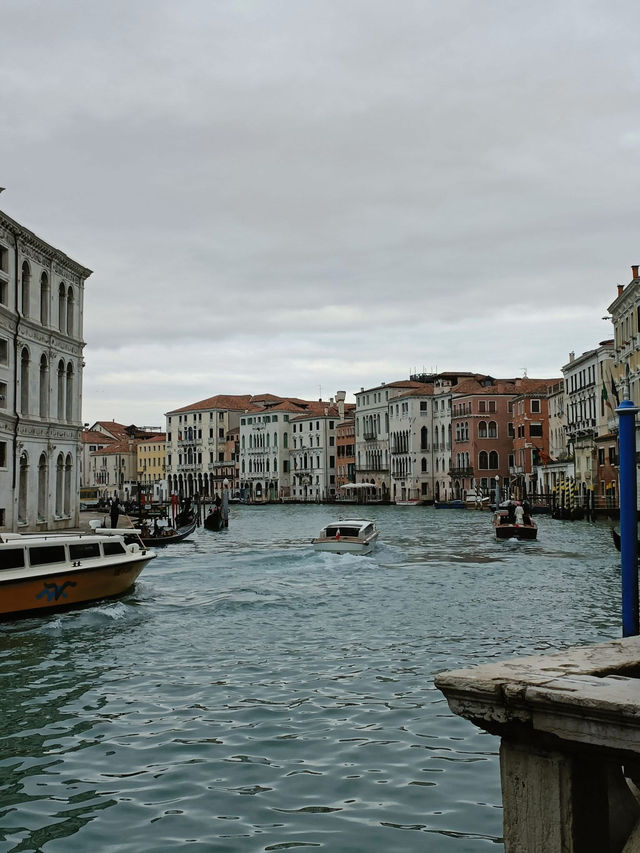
[252,695]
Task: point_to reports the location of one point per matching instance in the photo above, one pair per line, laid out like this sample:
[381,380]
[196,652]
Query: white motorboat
[44,572]
[410,502]
[348,536]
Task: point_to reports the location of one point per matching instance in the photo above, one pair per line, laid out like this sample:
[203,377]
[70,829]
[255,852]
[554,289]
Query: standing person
[519,514]
[115,512]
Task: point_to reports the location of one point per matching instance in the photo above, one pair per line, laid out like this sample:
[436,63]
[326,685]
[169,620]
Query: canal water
[252,695]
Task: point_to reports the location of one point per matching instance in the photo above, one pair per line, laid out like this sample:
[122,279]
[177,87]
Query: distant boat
[506,529]
[351,536]
[410,502]
[450,504]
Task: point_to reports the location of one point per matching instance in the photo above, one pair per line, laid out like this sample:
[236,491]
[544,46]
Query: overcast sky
[301,196]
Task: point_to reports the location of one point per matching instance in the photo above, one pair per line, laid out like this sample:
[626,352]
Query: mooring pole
[626,412]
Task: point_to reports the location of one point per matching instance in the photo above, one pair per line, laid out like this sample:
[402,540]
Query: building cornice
[37,244]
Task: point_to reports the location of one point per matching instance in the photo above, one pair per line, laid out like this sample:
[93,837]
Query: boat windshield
[342,530]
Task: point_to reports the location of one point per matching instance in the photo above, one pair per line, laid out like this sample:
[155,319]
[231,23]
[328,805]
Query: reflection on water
[253,695]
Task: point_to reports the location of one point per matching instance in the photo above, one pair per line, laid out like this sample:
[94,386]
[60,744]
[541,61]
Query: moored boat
[45,572]
[453,504]
[505,528]
[161,536]
[348,536]
[410,502]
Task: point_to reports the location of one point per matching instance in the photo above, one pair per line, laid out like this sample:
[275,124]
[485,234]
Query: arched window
[70,311]
[493,460]
[424,464]
[44,387]
[285,440]
[424,438]
[483,460]
[44,299]
[493,429]
[62,307]
[275,439]
[59,484]
[42,487]
[23,488]
[61,390]
[243,443]
[69,392]
[24,381]
[482,429]
[466,431]
[26,288]
[67,485]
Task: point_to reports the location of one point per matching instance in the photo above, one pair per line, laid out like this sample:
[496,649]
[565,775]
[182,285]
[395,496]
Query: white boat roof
[361,522]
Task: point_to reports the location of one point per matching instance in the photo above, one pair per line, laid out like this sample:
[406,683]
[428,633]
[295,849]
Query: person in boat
[519,514]
[156,529]
[511,512]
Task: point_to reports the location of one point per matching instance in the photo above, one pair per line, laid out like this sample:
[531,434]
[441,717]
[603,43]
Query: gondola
[615,534]
[178,535]
[214,520]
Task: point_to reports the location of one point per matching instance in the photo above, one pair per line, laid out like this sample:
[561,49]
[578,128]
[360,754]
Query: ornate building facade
[41,362]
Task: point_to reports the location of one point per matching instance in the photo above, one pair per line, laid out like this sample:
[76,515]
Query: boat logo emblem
[55,592]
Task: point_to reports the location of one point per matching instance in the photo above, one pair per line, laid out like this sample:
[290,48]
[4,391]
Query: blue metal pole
[626,412]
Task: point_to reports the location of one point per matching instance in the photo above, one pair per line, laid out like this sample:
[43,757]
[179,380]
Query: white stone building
[373,464]
[41,362]
[586,415]
[199,454]
[313,454]
[410,444]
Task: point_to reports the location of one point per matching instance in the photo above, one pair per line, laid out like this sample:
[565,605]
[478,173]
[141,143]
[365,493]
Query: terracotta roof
[112,426]
[117,447]
[160,436]
[92,436]
[515,387]
[227,402]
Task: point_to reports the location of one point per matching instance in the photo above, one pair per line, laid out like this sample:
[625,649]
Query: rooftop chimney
[634,270]
[340,397]
[572,355]
[620,289]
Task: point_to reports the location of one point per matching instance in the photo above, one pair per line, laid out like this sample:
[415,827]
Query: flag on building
[614,390]
[605,396]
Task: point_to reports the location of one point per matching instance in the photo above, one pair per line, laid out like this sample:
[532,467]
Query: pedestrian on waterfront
[115,512]
[519,514]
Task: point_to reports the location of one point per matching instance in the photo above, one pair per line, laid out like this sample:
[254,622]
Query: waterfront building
[92,439]
[440,443]
[530,426]
[587,415]
[483,433]
[346,454]
[41,362]
[200,452]
[267,441]
[151,467]
[554,471]
[411,437]
[372,434]
[313,452]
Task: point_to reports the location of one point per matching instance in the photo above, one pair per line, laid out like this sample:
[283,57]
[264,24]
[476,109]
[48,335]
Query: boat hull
[343,546]
[513,531]
[62,590]
[161,541]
